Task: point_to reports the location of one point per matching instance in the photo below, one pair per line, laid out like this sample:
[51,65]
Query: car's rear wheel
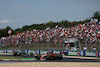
[38,56]
[31,54]
[48,57]
[60,57]
[15,53]
[52,57]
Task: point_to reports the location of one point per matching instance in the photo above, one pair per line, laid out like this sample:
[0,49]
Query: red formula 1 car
[49,56]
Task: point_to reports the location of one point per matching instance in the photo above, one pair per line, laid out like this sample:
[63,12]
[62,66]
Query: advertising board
[90,53]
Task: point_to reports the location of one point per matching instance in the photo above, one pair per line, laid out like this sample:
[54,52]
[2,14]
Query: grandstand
[88,34]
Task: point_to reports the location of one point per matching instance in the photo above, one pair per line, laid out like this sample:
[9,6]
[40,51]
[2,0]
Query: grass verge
[16,57]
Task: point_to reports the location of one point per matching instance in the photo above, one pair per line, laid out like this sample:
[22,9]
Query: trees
[4,32]
[96,15]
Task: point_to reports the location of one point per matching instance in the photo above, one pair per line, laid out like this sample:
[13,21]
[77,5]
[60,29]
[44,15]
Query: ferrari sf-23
[49,56]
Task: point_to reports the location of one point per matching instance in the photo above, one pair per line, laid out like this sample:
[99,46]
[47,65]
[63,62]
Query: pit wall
[70,52]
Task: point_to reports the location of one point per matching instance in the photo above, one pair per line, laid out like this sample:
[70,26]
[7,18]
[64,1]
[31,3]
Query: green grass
[16,57]
[10,57]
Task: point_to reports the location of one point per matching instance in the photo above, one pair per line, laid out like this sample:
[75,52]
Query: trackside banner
[19,49]
[98,54]
[37,51]
[81,53]
[9,50]
[43,51]
[57,51]
[1,50]
[70,52]
[65,51]
[90,53]
[33,51]
[73,53]
[4,50]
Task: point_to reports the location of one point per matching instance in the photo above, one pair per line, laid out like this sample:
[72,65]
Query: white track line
[81,57]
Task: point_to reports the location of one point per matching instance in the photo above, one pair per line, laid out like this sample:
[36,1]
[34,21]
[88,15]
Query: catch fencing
[56,43]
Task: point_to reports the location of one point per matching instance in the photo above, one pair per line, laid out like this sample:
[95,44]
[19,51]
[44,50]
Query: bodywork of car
[21,53]
[50,56]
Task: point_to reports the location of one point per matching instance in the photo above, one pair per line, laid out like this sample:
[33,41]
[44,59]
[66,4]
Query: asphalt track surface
[56,60]
[63,60]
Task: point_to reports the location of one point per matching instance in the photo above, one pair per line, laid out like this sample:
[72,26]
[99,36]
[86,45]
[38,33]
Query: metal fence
[51,43]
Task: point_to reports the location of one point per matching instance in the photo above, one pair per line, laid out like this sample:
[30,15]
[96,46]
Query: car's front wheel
[38,56]
[60,57]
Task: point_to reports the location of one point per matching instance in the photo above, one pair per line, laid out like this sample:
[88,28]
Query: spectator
[89,31]
[94,49]
[85,48]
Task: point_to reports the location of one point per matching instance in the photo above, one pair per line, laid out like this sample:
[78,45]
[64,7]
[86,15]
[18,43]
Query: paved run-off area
[51,64]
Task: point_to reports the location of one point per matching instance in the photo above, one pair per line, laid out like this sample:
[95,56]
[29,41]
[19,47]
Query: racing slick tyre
[60,57]
[52,58]
[19,54]
[48,57]
[15,54]
[38,56]
[25,55]
[31,54]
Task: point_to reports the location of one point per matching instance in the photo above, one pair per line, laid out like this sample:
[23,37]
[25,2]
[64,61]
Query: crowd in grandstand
[89,32]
